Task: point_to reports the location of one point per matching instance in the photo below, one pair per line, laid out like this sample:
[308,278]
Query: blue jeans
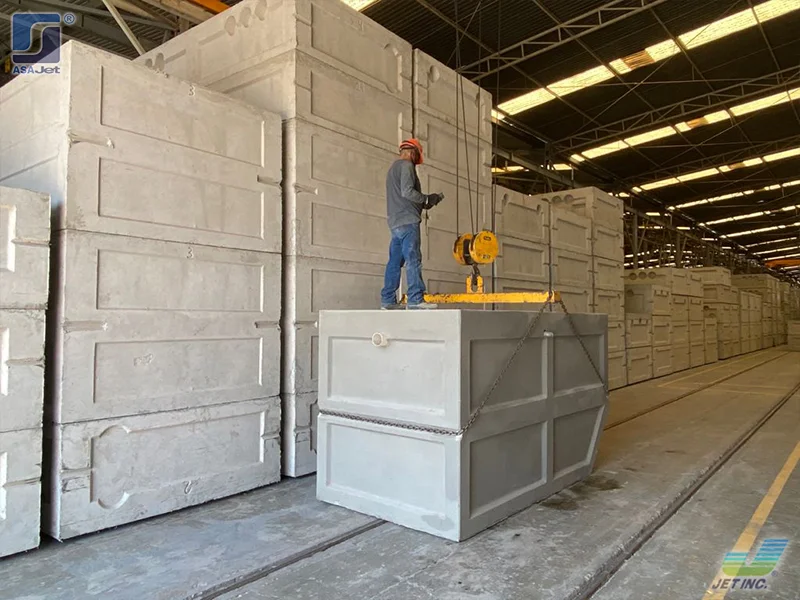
[404,249]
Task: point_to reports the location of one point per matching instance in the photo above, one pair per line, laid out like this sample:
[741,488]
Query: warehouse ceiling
[688,109]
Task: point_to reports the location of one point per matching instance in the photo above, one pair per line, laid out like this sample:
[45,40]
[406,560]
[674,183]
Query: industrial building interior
[200,398]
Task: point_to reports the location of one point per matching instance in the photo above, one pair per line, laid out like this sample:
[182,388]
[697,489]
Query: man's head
[411,149]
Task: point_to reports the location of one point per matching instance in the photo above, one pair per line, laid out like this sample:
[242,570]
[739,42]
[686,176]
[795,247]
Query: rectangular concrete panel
[601,208]
[145,326]
[571,269]
[696,306]
[680,357]
[662,330]
[697,354]
[24,248]
[520,216]
[697,332]
[257,30]
[680,307]
[297,85]
[449,149]
[545,422]
[20,490]
[335,195]
[662,360]
[442,93]
[617,370]
[114,471]
[638,331]
[607,243]
[640,364]
[609,302]
[647,299]
[465,349]
[616,336]
[608,274]
[21,369]
[155,172]
[723,294]
[680,332]
[695,282]
[570,231]
[522,260]
[714,275]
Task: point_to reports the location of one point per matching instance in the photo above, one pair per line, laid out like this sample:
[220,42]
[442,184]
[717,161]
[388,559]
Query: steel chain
[474,415]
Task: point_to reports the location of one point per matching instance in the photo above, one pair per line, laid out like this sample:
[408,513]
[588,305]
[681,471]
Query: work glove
[433,199]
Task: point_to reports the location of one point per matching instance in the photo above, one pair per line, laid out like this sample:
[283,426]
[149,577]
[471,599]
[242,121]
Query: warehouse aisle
[279,542]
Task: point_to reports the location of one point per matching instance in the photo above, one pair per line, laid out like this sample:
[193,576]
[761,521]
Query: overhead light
[782,155]
[580,81]
[659,184]
[762,230]
[709,239]
[497,116]
[605,149]
[359,4]
[784,249]
[765,11]
[752,215]
[526,101]
[562,167]
[780,241]
[653,214]
[577,158]
[684,228]
[718,29]
[761,104]
[698,174]
[650,136]
[723,169]
[508,169]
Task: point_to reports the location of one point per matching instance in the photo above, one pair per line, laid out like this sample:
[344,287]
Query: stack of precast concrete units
[649,304]
[767,287]
[750,319]
[346,91]
[687,325]
[24,241]
[793,335]
[163,338]
[722,303]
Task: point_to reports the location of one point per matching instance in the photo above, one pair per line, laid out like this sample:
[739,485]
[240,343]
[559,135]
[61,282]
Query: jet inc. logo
[26,49]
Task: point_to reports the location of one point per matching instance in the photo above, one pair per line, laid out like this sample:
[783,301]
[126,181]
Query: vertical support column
[635,240]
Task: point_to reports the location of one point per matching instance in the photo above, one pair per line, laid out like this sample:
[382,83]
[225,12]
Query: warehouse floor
[664,440]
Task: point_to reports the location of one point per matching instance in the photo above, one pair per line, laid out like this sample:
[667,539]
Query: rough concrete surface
[181,554]
[683,558]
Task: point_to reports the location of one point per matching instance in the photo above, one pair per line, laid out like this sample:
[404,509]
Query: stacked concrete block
[767,287]
[711,340]
[571,258]
[721,303]
[793,330]
[24,261]
[163,335]
[542,422]
[343,87]
[654,302]
[639,347]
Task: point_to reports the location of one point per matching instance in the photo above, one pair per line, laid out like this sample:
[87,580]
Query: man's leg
[391,277]
[412,252]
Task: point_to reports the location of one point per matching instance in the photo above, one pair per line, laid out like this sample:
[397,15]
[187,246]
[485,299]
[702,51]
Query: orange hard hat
[413,144]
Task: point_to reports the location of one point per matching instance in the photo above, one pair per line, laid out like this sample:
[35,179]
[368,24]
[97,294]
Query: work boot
[391,306]
[422,306]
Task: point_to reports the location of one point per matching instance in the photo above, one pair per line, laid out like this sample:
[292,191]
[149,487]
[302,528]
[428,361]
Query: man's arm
[407,179]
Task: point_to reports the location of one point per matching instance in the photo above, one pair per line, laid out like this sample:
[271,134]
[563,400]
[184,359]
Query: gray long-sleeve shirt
[404,200]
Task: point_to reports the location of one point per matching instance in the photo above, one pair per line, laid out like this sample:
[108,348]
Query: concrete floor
[277,537]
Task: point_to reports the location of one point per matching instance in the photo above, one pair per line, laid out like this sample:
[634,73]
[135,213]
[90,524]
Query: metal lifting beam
[576,28]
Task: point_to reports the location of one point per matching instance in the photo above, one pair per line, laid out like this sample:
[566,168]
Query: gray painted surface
[537,434]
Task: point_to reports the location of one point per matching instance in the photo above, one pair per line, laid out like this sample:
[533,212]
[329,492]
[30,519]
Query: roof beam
[728,158]
[574,29]
[684,109]
[80,8]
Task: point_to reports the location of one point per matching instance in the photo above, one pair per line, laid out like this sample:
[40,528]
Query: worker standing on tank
[404,205]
